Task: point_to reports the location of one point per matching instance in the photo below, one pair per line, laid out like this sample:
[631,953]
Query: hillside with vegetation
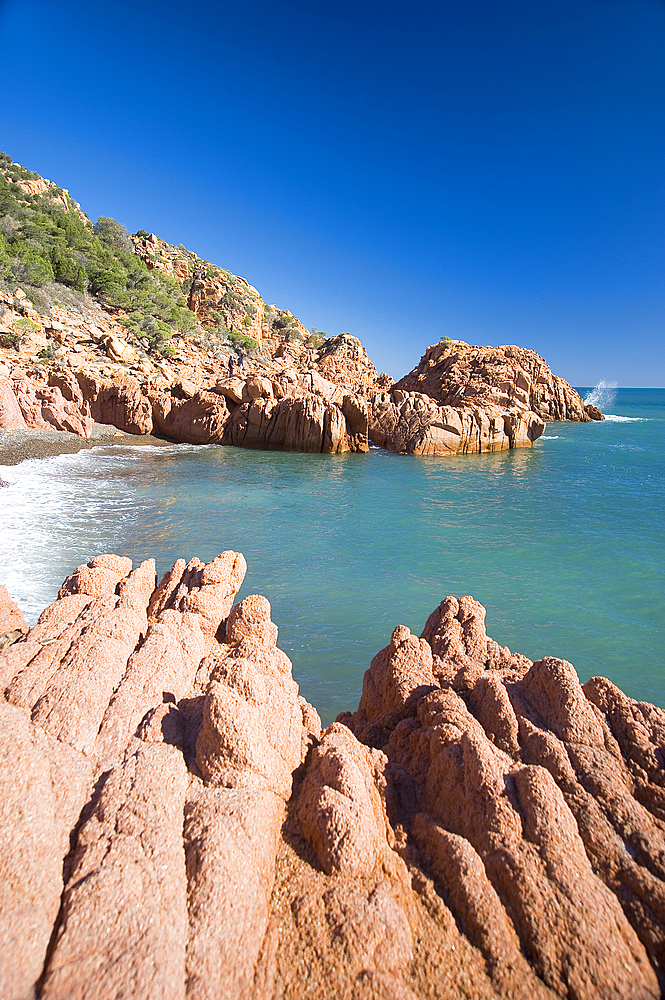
[59,257]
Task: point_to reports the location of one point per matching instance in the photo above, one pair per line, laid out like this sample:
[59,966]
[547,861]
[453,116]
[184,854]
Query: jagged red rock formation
[176,825]
[290,395]
[455,374]
[463,398]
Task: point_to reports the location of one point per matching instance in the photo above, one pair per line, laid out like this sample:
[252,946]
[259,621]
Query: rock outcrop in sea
[149,338]
[175,824]
[458,399]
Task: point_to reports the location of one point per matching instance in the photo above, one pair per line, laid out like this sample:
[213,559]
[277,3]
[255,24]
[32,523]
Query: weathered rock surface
[11,415]
[11,617]
[343,360]
[123,917]
[415,424]
[43,786]
[32,403]
[515,379]
[175,824]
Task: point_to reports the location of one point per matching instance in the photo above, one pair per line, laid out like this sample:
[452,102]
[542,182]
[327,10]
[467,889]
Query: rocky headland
[177,825]
[97,326]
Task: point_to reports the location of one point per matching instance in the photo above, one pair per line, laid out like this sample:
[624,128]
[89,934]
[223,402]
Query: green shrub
[282,322]
[113,234]
[47,353]
[45,245]
[22,325]
[31,266]
[241,342]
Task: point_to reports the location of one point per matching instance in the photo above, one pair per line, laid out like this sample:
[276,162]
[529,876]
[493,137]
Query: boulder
[200,419]
[119,350]
[414,424]
[119,401]
[512,378]
[298,423]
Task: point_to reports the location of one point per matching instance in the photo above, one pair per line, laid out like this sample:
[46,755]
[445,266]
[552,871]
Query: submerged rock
[175,823]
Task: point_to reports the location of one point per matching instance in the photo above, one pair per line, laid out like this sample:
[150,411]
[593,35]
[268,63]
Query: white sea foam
[615,418]
[550,437]
[603,395]
[56,511]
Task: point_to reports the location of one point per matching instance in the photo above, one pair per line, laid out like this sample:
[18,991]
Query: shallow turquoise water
[563,542]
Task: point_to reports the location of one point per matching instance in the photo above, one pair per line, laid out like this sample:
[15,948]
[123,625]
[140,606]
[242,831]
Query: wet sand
[18,445]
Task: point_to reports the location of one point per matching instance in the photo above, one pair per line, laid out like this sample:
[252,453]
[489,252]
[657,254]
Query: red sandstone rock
[415,424]
[343,360]
[306,423]
[162,668]
[340,806]
[178,638]
[250,742]
[455,374]
[43,407]
[477,907]
[11,617]
[43,785]
[119,401]
[252,722]
[98,578]
[199,420]
[231,841]
[462,398]
[76,696]
[63,415]
[506,840]
[123,923]
[11,416]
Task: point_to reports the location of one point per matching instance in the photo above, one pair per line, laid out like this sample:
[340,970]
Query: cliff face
[176,825]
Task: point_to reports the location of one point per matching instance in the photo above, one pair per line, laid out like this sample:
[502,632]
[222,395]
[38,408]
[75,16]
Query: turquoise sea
[563,543]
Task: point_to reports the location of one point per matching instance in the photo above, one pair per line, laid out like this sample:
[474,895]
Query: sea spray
[602,396]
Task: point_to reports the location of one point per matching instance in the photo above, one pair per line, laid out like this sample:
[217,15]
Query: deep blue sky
[485,170]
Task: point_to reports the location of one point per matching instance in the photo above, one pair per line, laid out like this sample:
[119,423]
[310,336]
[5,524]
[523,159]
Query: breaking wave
[603,395]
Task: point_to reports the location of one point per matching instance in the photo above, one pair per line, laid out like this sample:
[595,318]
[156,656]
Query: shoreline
[19,445]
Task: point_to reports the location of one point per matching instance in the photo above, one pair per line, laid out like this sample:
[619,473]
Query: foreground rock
[175,823]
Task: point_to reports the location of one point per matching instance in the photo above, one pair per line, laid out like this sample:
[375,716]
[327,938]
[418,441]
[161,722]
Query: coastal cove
[560,542]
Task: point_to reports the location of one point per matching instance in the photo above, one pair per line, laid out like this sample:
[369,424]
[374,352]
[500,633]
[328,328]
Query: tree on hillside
[113,234]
